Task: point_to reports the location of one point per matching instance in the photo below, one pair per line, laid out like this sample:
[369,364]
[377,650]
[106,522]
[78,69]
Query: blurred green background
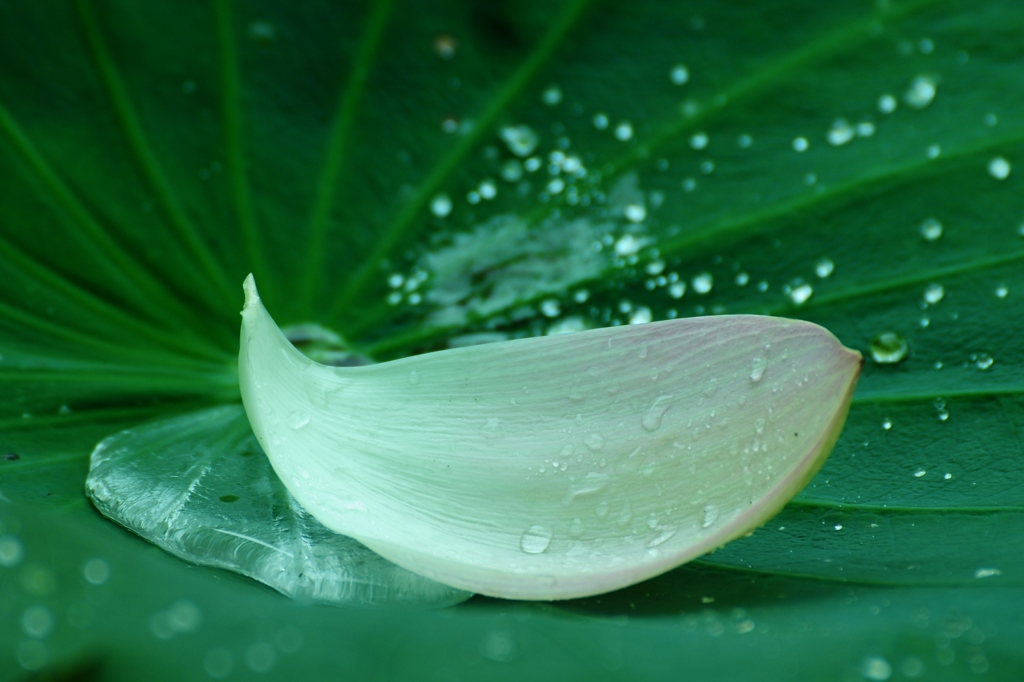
[419,175]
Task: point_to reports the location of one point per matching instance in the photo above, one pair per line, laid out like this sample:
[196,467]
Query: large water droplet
[757,369]
[651,420]
[298,419]
[708,516]
[535,539]
[888,348]
[594,441]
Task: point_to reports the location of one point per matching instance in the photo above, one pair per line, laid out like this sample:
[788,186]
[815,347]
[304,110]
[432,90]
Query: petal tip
[252,296]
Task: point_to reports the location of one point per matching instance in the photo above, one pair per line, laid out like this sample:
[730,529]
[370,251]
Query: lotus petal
[554,467]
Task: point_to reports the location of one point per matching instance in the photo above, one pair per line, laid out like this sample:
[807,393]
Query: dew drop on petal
[757,369]
[679,74]
[535,539]
[888,348]
[593,441]
[651,420]
[708,516]
[298,419]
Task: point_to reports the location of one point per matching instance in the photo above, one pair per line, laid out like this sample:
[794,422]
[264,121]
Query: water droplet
[590,484]
[887,103]
[934,293]
[552,96]
[535,539]
[940,408]
[708,516]
[642,315]
[921,92]
[11,551]
[298,419]
[651,420]
[441,205]
[999,168]
[759,426]
[699,141]
[824,268]
[625,516]
[886,424]
[37,622]
[933,151]
[488,190]
[948,476]
[711,388]
[511,171]
[987,572]
[624,131]
[703,283]
[931,229]
[982,361]
[840,133]
[600,121]
[677,289]
[757,369]
[1002,291]
[679,74]
[594,441]
[838,526]
[800,294]
[628,245]
[521,140]
[96,571]
[801,144]
[551,308]
[875,668]
[888,348]
[664,535]
[919,473]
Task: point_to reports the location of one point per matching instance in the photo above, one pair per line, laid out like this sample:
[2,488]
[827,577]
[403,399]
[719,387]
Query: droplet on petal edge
[382,467]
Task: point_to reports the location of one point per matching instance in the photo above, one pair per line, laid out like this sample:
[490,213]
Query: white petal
[553,467]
